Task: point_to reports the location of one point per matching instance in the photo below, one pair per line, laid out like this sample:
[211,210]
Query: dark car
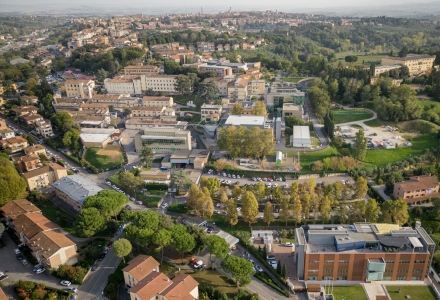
[20,256]
[110,244]
[3,277]
[95,266]
[102,256]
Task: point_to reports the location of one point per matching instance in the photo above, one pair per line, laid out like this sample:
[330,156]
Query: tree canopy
[12,185]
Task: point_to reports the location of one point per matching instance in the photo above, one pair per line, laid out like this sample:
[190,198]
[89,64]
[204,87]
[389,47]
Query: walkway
[374,289]
[360,122]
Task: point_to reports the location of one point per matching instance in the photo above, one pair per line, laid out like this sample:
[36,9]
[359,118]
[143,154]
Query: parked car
[20,256]
[105,250]
[37,267]
[273,264]
[17,251]
[139,202]
[95,266]
[110,244]
[73,289]
[198,264]
[39,271]
[24,262]
[218,205]
[288,244]
[258,268]
[270,257]
[101,257]
[3,277]
[192,263]
[66,282]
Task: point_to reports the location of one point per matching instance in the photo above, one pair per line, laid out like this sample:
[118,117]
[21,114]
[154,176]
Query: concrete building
[417,189]
[125,84]
[5,131]
[136,123]
[301,137]
[382,69]
[71,104]
[27,163]
[15,144]
[24,110]
[247,120]
[156,175]
[31,119]
[15,208]
[238,89]
[362,252]
[416,63]
[157,101]
[90,140]
[44,128]
[141,70]
[211,113]
[290,109]
[280,95]
[138,268]
[79,88]
[35,149]
[221,71]
[147,111]
[159,83]
[44,176]
[28,225]
[164,140]
[256,87]
[74,189]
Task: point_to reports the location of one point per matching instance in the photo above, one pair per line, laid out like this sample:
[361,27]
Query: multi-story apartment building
[159,83]
[141,70]
[416,63]
[238,89]
[31,119]
[44,176]
[125,84]
[80,88]
[67,103]
[205,46]
[14,144]
[220,71]
[5,131]
[211,113]
[35,149]
[44,128]
[255,87]
[147,111]
[417,189]
[221,83]
[27,163]
[158,101]
[164,140]
[138,268]
[362,252]
[382,69]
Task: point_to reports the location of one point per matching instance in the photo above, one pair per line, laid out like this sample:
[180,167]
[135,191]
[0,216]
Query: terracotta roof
[3,295]
[105,97]
[33,148]
[15,140]
[182,285]
[16,208]
[32,223]
[417,183]
[32,117]
[141,266]
[26,158]
[47,243]
[77,81]
[25,108]
[142,67]
[151,285]
[94,105]
[37,172]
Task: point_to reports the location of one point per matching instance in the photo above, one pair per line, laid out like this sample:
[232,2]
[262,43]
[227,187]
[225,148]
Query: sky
[251,4]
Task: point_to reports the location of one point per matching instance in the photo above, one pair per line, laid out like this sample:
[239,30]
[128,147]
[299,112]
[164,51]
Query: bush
[75,274]
[265,278]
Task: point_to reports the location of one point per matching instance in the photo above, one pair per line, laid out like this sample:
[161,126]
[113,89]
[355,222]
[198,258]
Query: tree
[144,236]
[101,74]
[231,212]
[403,52]
[183,84]
[237,109]
[58,64]
[180,179]
[207,205]
[146,156]
[249,208]
[240,268]
[212,184]
[361,188]
[236,192]
[108,202]
[129,181]
[89,221]
[268,213]
[182,240]
[220,164]
[296,209]
[12,185]
[121,248]
[359,149]
[2,229]
[199,234]
[329,125]
[320,100]
[284,214]
[259,109]
[325,208]
[162,238]
[394,212]
[372,210]
[223,196]
[217,246]
[63,121]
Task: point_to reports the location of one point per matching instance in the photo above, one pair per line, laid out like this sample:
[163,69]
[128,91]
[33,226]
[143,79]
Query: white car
[164,205]
[238,208]
[273,264]
[66,282]
[238,176]
[39,271]
[73,289]
[258,268]
[24,262]
[108,183]
[218,205]
[288,244]
[17,251]
[139,202]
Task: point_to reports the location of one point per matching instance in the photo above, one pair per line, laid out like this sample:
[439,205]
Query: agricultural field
[106,158]
[350,115]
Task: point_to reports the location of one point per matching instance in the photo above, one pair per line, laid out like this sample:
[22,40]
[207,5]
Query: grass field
[148,201]
[350,115]
[373,123]
[349,292]
[216,280]
[384,156]
[432,106]
[415,292]
[183,99]
[107,158]
[56,215]
[290,79]
[362,58]
[307,158]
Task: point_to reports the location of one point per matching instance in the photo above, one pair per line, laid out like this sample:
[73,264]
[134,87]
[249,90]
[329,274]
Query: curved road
[360,122]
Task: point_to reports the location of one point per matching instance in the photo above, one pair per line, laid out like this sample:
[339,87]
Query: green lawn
[183,99]
[56,215]
[415,292]
[290,79]
[384,156]
[216,280]
[148,201]
[362,58]
[373,123]
[432,106]
[102,161]
[307,158]
[315,139]
[349,292]
[350,115]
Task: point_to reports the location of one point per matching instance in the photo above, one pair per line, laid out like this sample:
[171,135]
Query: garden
[349,292]
[37,291]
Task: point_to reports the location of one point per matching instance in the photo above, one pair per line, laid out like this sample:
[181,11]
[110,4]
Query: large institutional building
[362,252]
[138,84]
[416,63]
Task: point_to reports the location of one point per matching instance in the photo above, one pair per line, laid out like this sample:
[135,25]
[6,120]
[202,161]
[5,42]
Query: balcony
[373,276]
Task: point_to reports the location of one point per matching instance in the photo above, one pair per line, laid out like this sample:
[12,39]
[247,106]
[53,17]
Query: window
[387,278]
[344,261]
[388,271]
[313,261]
[343,271]
[327,271]
[402,271]
[417,271]
[313,271]
[419,261]
[312,278]
[416,278]
[341,278]
[401,278]
[329,261]
[404,261]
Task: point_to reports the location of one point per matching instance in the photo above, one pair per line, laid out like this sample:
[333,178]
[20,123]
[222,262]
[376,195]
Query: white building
[80,88]
[124,84]
[247,120]
[301,137]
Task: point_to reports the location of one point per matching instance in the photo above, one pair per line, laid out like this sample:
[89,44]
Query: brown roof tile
[33,148]
[3,295]
[32,223]
[418,182]
[47,243]
[141,266]
[182,285]
[154,98]
[26,158]
[16,208]
[151,285]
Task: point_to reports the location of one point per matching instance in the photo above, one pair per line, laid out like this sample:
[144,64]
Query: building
[138,268]
[196,157]
[147,111]
[15,144]
[220,71]
[159,83]
[301,137]
[141,70]
[52,248]
[79,88]
[99,140]
[35,149]
[290,109]
[6,133]
[69,104]
[44,128]
[280,95]
[156,175]
[15,208]
[31,119]
[382,69]
[211,113]
[44,176]
[362,252]
[247,120]
[256,87]
[24,110]
[28,225]
[3,295]
[74,189]
[416,63]
[417,189]
[124,84]
[158,101]
[238,89]
[164,140]
[136,123]
[27,163]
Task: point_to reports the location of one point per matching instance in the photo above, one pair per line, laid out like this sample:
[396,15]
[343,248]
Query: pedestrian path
[373,290]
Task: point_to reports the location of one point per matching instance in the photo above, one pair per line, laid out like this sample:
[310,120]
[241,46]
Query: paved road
[360,122]
[17,271]
[318,128]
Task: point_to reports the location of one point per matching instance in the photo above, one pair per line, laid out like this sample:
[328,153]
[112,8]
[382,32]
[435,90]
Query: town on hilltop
[237,155]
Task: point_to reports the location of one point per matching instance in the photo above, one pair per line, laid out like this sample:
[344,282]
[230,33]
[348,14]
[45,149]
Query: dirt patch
[111,151]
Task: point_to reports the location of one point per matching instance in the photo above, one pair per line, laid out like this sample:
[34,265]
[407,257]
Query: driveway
[17,271]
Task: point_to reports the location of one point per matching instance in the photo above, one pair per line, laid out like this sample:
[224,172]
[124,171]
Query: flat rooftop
[245,120]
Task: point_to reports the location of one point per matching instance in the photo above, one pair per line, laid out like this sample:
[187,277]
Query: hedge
[265,278]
